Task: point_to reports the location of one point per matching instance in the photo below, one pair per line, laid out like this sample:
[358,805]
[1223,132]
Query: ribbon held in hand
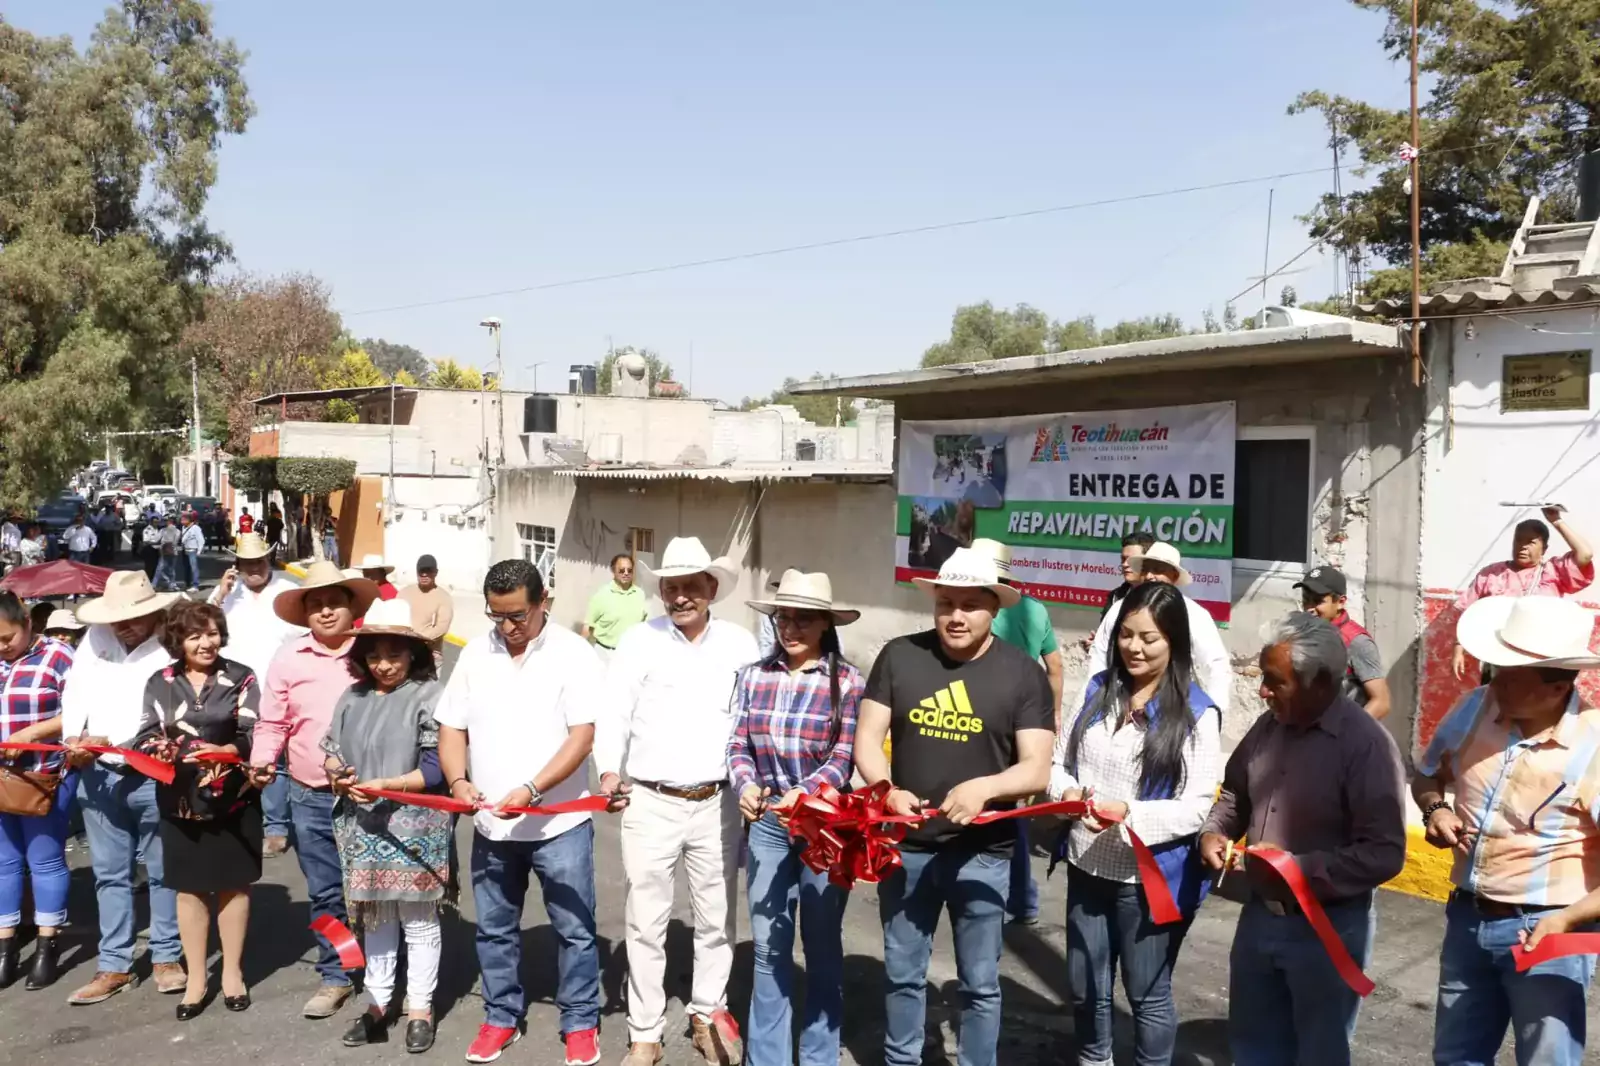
[850,836]
[433,801]
[145,764]
[340,939]
[1555,946]
[1283,864]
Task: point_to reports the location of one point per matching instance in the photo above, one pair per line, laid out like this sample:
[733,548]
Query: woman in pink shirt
[1529,572]
[304,682]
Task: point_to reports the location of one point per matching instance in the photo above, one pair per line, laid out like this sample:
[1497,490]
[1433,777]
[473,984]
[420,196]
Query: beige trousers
[658,831]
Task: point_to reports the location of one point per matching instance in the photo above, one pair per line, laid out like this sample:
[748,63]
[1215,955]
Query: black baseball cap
[1324,581]
[427,562]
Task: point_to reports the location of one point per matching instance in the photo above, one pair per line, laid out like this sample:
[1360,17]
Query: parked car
[56,515]
[211,516]
[160,495]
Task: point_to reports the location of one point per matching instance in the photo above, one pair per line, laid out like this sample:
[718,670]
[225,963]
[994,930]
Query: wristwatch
[534,795]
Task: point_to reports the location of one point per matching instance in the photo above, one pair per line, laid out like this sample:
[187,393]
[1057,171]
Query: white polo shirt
[255,632]
[667,717]
[104,691]
[516,716]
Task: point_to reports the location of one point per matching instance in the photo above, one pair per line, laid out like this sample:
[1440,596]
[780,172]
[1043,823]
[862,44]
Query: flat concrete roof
[799,470]
[1315,342]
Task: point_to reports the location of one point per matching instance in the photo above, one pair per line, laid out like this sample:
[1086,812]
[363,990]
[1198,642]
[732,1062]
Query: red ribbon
[341,939]
[1556,946]
[145,764]
[1285,867]
[449,803]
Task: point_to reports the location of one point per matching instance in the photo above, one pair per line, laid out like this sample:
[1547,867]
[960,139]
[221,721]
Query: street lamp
[493,326]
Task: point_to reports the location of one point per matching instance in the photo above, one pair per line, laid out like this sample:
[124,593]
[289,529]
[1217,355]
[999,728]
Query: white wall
[652,430]
[420,523]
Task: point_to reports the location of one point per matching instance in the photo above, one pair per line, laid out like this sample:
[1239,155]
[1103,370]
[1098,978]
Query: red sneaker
[583,1047]
[491,1041]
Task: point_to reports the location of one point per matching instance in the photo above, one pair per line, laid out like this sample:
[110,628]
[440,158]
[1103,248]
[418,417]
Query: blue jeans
[121,822]
[275,820]
[36,847]
[330,550]
[1108,924]
[564,866]
[194,569]
[167,573]
[973,888]
[1023,899]
[79,557]
[778,883]
[1480,992]
[1287,1005]
[311,812]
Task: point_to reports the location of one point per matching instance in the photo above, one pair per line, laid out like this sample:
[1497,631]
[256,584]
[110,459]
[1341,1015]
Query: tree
[403,377]
[449,374]
[818,409]
[394,358]
[107,158]
[1513,94]
[353,369]
[979,333]
[314,479]
[656,369]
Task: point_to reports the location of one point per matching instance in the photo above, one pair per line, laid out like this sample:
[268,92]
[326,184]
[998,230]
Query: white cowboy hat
[805,592]
[685,556]
[970,569]
[1164,553]
[373,561]
[128,595]
[1000,553]
[62,619]
[389,618]
[1528,631]
[251,546]
[291,604]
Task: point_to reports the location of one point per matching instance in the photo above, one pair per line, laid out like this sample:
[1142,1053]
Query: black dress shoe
[365,1030]
[419,1035]
[9,952]
[237,1003]
[42,973]
[190,1011]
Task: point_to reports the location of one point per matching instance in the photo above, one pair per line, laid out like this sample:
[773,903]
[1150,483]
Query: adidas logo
[947,714]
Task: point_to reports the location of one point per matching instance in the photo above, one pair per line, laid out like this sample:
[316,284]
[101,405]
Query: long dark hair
[833,656]
[1161,759]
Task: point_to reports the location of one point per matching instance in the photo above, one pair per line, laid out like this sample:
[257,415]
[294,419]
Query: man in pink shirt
[304,682]
[1529,572]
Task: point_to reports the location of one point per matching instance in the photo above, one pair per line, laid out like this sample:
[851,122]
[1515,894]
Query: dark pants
[312,813]
[1109,926]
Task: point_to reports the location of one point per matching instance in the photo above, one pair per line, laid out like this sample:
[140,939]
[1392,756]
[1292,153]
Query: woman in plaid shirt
[795,730]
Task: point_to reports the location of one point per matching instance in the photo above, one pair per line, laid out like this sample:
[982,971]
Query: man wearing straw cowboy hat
[972,723]
[102,704]
[375,570]
[665,724]
[1522,756]
[246,594]
[304,682]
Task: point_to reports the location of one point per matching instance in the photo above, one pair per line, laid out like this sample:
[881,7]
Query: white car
[158,495]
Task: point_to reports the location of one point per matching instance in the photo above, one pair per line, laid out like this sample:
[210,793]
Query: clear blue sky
[407,152]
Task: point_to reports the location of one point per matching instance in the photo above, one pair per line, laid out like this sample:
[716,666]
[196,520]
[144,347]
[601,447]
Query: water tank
[805,451]
[539,414]
[581,378]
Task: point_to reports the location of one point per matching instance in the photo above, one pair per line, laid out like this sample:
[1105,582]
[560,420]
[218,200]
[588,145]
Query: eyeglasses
[516,618]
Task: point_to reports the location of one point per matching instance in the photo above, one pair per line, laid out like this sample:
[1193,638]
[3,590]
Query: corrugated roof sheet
[746,472]
[1489,296]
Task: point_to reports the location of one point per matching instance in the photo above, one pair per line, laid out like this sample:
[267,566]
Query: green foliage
[254,474]
[657,369]
[353,369]
[107,158]
[1510,88]
[404,377]
[395,359]
[449,374]
[315,477]
[1475,258]
[819,409]
[979,332]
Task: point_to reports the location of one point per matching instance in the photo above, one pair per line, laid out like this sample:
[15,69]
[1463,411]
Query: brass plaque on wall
[1549,381]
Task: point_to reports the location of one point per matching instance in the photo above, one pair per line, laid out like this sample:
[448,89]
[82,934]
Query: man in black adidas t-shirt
[969,719]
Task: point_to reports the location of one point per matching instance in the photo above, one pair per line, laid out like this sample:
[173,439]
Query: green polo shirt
[613,611]
[1027,626]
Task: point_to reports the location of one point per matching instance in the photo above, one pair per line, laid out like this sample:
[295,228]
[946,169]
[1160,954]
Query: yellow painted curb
[1427,871]
[299,572]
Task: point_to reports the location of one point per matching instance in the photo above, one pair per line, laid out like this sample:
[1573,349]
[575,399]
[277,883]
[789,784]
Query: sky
[412,153]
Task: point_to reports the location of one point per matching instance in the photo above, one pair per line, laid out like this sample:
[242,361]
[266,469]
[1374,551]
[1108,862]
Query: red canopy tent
[63,577]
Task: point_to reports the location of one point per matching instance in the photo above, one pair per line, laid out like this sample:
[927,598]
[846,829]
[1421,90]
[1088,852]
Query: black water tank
[1589,186]
[539,414]
[581,379]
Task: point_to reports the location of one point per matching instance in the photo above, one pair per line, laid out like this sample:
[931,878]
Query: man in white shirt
[665,724]
[79,539]
[516,725]
[11,541]
[1213,669]
[246,594]
[101,704]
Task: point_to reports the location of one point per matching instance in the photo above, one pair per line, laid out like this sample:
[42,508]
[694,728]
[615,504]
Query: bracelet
[456,782]
[1429,811]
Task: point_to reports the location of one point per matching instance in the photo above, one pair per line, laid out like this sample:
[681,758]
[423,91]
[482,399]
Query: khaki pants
[657,831]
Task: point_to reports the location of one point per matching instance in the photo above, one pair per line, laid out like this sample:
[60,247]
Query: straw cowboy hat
[968,568]
[805,592]
[685,556]
[128,595]
[374,561]
[251,546]
[1000,553]
[291,604]
[389,618]
[62,619]
[1528,631]
[1161,552]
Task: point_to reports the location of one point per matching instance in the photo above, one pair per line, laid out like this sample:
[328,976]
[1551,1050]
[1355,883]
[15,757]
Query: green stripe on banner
[1204,531]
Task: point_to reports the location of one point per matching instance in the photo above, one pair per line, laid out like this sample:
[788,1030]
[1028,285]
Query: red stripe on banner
[1284,866]
[1556,946]
[341,939]
[1068,595]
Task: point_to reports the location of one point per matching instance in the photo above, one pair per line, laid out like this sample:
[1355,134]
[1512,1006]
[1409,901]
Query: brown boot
[327,1001]
[169,978]
[641,1053]
[272,847]
[717,1039]
[103,987]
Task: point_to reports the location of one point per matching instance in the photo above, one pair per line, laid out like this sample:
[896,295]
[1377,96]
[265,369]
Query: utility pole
[1266,261]
[194,434]
[1416,214]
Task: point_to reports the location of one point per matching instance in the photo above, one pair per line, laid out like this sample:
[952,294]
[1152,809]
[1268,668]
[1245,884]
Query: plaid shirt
[30,692]
[780,737]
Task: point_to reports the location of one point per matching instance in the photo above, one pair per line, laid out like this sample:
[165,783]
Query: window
[641,541]
[538,545]
[1272,496]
